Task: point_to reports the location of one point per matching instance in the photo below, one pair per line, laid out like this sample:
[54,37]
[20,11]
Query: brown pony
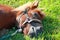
[9,17]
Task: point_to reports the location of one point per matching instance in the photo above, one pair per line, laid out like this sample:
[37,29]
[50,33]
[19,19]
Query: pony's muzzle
[34,31]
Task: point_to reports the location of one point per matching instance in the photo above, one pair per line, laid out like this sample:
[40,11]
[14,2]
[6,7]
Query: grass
[51,22]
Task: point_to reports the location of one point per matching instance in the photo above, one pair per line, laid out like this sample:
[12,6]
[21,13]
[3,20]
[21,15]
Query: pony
[9,17]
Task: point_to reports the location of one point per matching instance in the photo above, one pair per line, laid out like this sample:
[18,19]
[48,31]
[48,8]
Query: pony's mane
[22,7]
[6,8]
[30,5]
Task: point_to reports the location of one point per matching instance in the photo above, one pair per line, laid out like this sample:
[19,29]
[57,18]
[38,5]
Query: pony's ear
[34,4]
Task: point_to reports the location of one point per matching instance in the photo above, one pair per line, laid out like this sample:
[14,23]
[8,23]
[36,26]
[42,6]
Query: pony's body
[7,18]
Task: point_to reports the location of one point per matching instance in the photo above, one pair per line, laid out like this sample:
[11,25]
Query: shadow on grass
[18,36]
[50,26]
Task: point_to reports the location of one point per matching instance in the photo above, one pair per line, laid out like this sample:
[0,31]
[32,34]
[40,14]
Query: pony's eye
[35,15]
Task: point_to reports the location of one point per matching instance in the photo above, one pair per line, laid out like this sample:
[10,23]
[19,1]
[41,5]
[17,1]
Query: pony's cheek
[25,31]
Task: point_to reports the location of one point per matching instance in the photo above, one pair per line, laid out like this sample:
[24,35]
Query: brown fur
[7,18]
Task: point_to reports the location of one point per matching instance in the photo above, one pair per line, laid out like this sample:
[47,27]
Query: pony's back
[6,16]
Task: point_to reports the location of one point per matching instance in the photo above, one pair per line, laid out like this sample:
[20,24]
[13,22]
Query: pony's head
[29,19]
[32,24]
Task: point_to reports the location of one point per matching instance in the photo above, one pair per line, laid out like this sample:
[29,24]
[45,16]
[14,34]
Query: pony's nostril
[40,30]
[33,28]
[32,35]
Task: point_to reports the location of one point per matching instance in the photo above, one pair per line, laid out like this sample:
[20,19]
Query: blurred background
[51,22]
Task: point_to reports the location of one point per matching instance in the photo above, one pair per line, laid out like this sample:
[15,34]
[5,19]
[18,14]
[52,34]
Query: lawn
[51,22]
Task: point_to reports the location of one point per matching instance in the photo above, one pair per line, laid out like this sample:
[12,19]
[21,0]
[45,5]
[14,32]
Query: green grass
[51,22]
